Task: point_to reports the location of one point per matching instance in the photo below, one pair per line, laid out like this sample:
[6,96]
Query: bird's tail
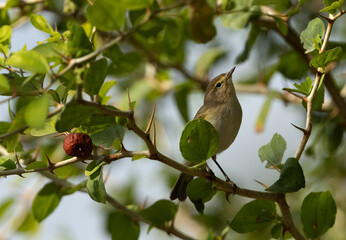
[179,189]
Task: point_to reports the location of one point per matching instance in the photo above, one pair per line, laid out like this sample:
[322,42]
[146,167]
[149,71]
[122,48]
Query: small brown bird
[222,109]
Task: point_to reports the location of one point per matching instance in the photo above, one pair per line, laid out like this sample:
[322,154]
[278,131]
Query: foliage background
[133,182]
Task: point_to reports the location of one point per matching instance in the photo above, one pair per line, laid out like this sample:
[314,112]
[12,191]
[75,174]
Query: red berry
[78,145]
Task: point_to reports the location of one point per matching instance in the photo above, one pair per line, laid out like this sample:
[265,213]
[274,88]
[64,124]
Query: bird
[222,109]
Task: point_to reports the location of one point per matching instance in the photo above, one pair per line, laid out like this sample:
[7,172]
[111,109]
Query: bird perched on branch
[222,109]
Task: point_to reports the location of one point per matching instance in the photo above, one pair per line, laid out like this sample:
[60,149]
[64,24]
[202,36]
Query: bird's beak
[229,74]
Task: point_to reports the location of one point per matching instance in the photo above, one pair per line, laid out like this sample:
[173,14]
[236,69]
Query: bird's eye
[219,84]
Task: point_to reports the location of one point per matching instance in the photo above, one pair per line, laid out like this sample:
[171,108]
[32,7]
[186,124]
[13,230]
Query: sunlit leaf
[326,57]
[273,151]
[36,111]
[29,60]
[313,34]
[41,23]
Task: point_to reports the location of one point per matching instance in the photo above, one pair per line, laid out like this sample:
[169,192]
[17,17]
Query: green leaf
[5,39]
[332,6]
[304,87]
[292,65]
[52,50]
[7,164]
[36,111]
[291,178]
[253,216]
[278,5]
[262,116]
[4,126]
[133,4]
[281,25]
[122,227]
[160,212]
[48,128]
[238,17]
[74,115]
[273,151]
[41,23]
[202,25]
[93,167]
[4,85]
[312,34]
[318,98]
[138,156]
[318,213]
[106,137]
[5,33]
[277,231]
[103,91]
[326,57]
[46,200]
[199,141]
[78,44]
[28,225]
[199,192]
[106,15]
[29,60]
[36,165]
[5,205]
[95,76]
[96,187]
[180,95]
[250,41]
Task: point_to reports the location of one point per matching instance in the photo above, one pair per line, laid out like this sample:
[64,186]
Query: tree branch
[170,230]
[293,39]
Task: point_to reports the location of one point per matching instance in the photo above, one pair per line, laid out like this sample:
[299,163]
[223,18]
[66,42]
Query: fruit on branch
[78,145]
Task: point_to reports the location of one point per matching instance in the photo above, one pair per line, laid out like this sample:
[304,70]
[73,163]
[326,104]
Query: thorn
[263,184]
[154,135]
[298,96]
[273,165]
[301,129]
[151,120]
[50,164]
[60,134]
[17,159]
[129,98]
[62,56]
[324,17]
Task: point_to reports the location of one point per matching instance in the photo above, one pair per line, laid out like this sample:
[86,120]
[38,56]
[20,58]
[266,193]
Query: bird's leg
[223,172]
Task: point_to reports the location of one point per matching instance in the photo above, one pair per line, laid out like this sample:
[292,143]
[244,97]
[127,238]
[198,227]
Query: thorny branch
[153,154]
[171,230]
